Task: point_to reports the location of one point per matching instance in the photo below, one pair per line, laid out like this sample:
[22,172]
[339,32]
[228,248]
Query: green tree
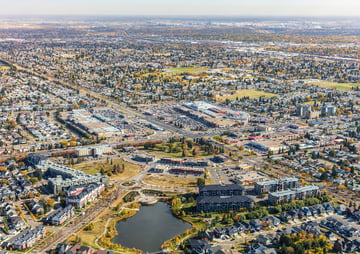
[200,181]
[324,176]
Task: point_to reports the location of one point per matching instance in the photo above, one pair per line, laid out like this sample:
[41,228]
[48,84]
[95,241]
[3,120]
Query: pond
[149,228]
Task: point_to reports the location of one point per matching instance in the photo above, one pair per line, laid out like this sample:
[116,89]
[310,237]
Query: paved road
[77,223]
[176,131]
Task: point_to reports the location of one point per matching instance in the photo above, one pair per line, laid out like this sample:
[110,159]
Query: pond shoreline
[155,240]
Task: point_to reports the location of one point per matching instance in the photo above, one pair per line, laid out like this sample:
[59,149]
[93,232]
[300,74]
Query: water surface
[149,228]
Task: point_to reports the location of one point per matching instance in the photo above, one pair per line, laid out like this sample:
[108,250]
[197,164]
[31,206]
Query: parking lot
[244,176]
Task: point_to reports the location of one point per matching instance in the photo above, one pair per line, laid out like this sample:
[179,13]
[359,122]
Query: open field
[163,150]
[172,181]
[127,50]
[312,102]
[188,69]
[160,54]
[4,68]
[88,237]
[339,86]
[251,93]
[94,167]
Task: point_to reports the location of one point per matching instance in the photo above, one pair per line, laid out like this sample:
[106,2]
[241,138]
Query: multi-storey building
[221,190]
[328,110]
[94,150]
[223,203]
[276,185]
[87,194]
[293,194]
[66,177]
[221,198]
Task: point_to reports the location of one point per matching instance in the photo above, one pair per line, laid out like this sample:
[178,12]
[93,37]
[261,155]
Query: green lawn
[252,93]
[188,69]
[94,167]
[173,181]
[339,86]
[162,150]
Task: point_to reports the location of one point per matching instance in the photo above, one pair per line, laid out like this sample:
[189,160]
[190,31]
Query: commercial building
[276,185]
[293,194]
[94,150]
[90,123]
[184,162]
[143,158]
[186,171]
[268,145]
[213,115]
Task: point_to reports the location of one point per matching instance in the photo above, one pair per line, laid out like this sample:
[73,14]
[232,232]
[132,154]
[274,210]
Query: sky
[182,7]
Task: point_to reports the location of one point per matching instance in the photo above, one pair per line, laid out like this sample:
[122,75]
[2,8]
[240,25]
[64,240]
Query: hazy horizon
[250,8]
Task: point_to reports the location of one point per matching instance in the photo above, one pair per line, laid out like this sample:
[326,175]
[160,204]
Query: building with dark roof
[221,198]
[221,190]
[223,203]
[35,159]
[25,239]
[143,158]
[184,162]
[59,216]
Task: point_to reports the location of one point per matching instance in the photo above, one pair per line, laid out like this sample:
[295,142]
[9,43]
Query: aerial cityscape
[136,128]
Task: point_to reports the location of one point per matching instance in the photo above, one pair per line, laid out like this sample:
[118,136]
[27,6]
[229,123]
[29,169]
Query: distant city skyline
[183,7]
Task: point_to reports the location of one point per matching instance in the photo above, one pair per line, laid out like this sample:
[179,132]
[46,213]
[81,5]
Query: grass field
[339,86]
[127,50]
[88,237]
[188,69]
[160,54]
[160,154]
[172,181]
[94,167]
[252,93]
[4,68]
[162,150]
